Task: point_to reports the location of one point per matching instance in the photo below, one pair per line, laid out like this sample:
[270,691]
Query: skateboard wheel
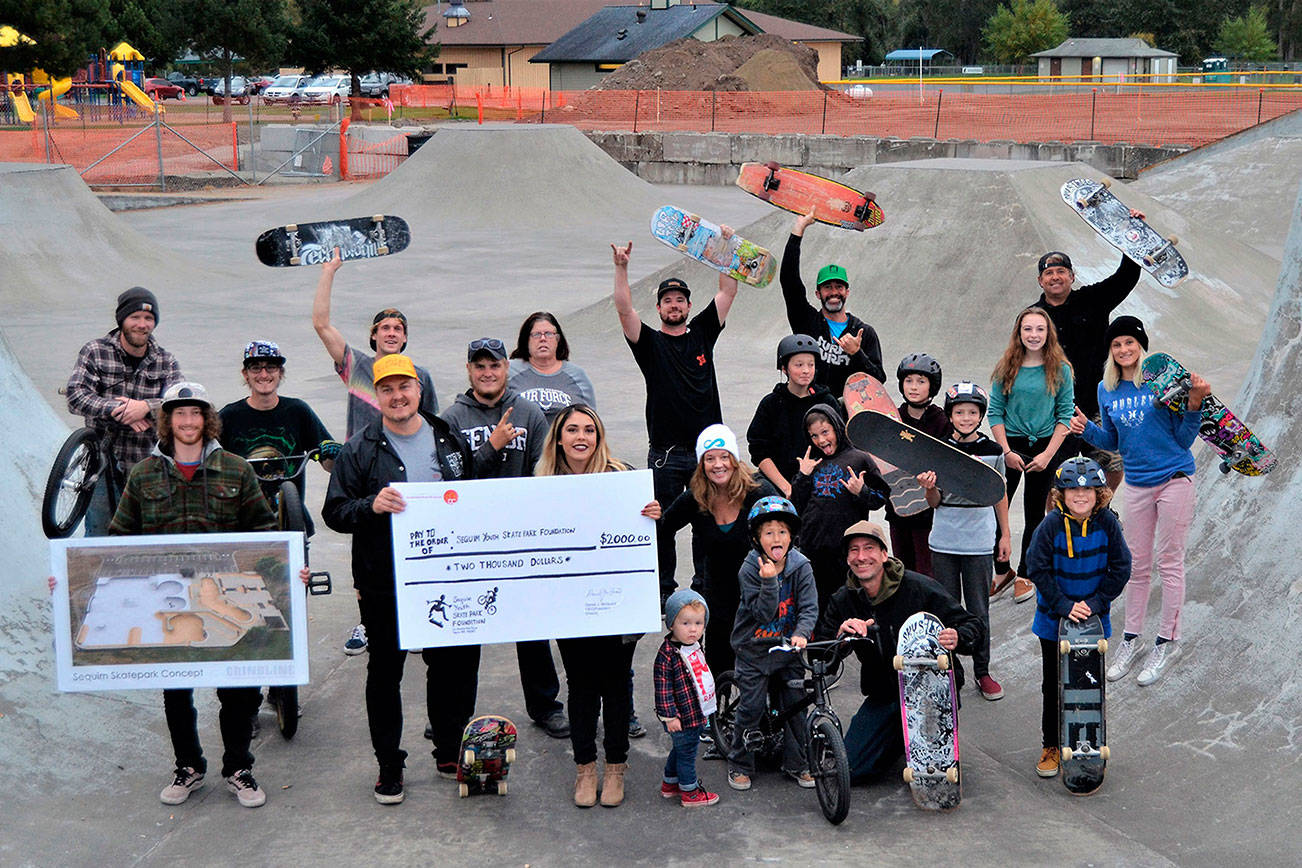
[1107,183]
[468,758]
[294,260]
[463,790]
[292,227]
[378,218]
[772,166]
[382,251]
[898,663]
[951,774]
[510,755]
[908,775]
[942,662]
[1064,647]
[1174,239]
[1103,646]
[501,788]
[1066,754]
[1105,752]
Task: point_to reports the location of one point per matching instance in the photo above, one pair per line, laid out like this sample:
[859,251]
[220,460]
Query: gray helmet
[794,344]
[966,392]
[920,363]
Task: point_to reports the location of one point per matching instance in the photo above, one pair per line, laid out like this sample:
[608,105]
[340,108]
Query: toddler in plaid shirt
[684,696]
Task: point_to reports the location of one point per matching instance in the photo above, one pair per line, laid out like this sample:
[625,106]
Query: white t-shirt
[702,680]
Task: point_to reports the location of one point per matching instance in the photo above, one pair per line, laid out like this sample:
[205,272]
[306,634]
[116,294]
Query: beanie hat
[717,436]
[680,598]
[137,298]
[1126,325]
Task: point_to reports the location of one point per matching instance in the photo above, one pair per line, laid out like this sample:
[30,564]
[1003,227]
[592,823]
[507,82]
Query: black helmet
[793,344]
[773,507]
[966,392]
[1080,472]
[920,363]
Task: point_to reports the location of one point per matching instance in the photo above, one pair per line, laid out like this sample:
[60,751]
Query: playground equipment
[48,89]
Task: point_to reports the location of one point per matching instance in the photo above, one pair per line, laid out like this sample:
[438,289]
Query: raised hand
[927,479]
[331,265]
[854,482]
[1078,420]
[621,255]
[806,463]
[851,342]
[504,432]
[803,222]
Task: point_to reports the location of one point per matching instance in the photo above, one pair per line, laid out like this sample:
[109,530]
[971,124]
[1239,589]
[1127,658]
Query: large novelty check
[502,560]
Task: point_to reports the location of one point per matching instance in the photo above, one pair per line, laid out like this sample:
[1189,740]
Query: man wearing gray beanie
[117,386]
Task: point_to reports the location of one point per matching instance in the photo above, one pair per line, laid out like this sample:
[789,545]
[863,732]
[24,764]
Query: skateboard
[1081,704]
[703,241]
[928,713]
[916,451]
[834,204]
[487,751]
[314,243]
[1110,217]
[1238,447]
[864,392]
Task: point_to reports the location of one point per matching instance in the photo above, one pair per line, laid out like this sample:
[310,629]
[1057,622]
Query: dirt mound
[735,63]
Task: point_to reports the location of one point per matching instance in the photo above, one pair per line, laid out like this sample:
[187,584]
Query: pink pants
[1162,514]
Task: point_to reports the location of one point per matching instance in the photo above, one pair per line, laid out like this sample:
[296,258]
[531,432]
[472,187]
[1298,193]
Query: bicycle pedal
[318,583]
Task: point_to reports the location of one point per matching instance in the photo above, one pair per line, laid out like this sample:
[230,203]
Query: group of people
[784,548]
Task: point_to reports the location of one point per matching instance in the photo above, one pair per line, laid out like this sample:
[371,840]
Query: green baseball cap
[832,272]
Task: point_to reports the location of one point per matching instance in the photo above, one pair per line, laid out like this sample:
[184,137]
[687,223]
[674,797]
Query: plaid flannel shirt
[223,495]
[101,376]
[675,694]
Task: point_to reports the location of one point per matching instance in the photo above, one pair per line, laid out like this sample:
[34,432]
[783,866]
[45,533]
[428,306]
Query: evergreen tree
[1015,32]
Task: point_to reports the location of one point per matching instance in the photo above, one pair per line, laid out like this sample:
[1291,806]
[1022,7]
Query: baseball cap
[675,284]
[135,299]
[185,394]
[262,351]
[393,365]
[1054,258]
[832,272]
[868,529]
[491,346]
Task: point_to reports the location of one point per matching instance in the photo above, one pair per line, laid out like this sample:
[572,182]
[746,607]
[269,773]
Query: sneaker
[698,797]
[1001,582]
[990,688]
[739,780]
[246,789]
[1023,590]
[1128,654]
[1159,660]
[388,789]
[555,724]
[356,643]
[1047,767]
[184,782]
[429,732]
[669,791]
[635,728]
[447,771]
[803,778]
[710,751]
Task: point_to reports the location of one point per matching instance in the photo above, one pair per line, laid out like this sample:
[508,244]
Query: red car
[161,89]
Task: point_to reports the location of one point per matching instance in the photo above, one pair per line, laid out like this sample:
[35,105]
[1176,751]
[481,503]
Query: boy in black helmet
[918,376]
[776,436]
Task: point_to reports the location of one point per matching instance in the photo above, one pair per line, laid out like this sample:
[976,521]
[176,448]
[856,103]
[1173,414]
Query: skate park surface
[507,220]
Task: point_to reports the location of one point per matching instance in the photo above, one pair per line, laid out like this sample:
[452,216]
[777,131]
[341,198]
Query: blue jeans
[98,512]
[680,767]
[874,740]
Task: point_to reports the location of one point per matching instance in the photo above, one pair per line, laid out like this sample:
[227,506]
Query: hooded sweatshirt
[775,609]
[777,432]
[476,422]
[1071,560]
[826,508]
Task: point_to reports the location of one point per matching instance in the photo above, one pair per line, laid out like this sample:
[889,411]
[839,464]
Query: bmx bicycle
[824,743]
[83,458]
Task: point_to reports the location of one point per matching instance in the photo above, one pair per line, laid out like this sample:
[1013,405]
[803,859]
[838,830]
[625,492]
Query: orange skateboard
[833,203]
[863,392]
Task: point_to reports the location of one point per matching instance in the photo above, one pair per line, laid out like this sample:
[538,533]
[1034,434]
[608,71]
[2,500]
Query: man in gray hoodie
[506,434]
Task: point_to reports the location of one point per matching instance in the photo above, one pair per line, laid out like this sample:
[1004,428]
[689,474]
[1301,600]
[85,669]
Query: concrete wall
[713,158]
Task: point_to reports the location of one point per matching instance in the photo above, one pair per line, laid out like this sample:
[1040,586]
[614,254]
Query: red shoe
[699,797]
[669,791]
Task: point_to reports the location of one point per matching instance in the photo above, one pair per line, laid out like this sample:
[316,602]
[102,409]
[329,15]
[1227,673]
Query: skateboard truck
[318,583]
[861,212]
[295,246]
[381,242]
[771,182]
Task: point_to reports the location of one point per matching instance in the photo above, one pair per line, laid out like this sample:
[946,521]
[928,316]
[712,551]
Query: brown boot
[585,785]
[612,785]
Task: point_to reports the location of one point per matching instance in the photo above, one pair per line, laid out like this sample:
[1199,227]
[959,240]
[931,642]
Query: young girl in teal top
[1031,403]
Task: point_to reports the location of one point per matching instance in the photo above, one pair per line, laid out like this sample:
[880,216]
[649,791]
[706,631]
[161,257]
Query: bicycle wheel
[722,722]
[289,510]
[71,483]
[285,701]
[830,767]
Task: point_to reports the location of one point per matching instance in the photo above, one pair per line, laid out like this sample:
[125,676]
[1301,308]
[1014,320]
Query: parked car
[259,83]
[325,89]
[239,91]
[376,84]
[161,89]
[191,85]
[280,90]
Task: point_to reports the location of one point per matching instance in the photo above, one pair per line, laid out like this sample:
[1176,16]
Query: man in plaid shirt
[117,386]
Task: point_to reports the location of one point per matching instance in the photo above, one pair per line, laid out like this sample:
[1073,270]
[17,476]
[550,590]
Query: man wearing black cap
[682,390]
[117,385]
[356,368]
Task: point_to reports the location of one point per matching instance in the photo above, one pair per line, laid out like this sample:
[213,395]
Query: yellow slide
[19,97]
[56,87]
[138,96]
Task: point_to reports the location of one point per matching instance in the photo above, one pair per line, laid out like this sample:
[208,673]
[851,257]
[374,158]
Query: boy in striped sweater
[1079,563]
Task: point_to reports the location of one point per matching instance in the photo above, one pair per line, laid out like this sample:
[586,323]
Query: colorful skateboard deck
[487,751]
[834,204]
[916,451]
[928,713]
[314,243]
[1238,447]
[864,392]
[1081,704]
[1110,217]
[703,241]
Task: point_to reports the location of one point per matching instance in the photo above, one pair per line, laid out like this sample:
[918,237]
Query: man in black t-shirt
[682,389]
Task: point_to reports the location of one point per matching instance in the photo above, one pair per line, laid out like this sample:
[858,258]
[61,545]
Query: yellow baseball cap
[393,365]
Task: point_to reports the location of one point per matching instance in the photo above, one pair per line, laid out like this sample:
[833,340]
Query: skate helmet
[793,345]
[773,507]
[966,392]
[1079,472]
[920,363]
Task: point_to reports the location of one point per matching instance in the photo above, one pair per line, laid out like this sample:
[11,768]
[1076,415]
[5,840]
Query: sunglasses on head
[487,344]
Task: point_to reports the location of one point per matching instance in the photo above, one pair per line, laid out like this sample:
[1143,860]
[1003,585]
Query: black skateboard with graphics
[314,243]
